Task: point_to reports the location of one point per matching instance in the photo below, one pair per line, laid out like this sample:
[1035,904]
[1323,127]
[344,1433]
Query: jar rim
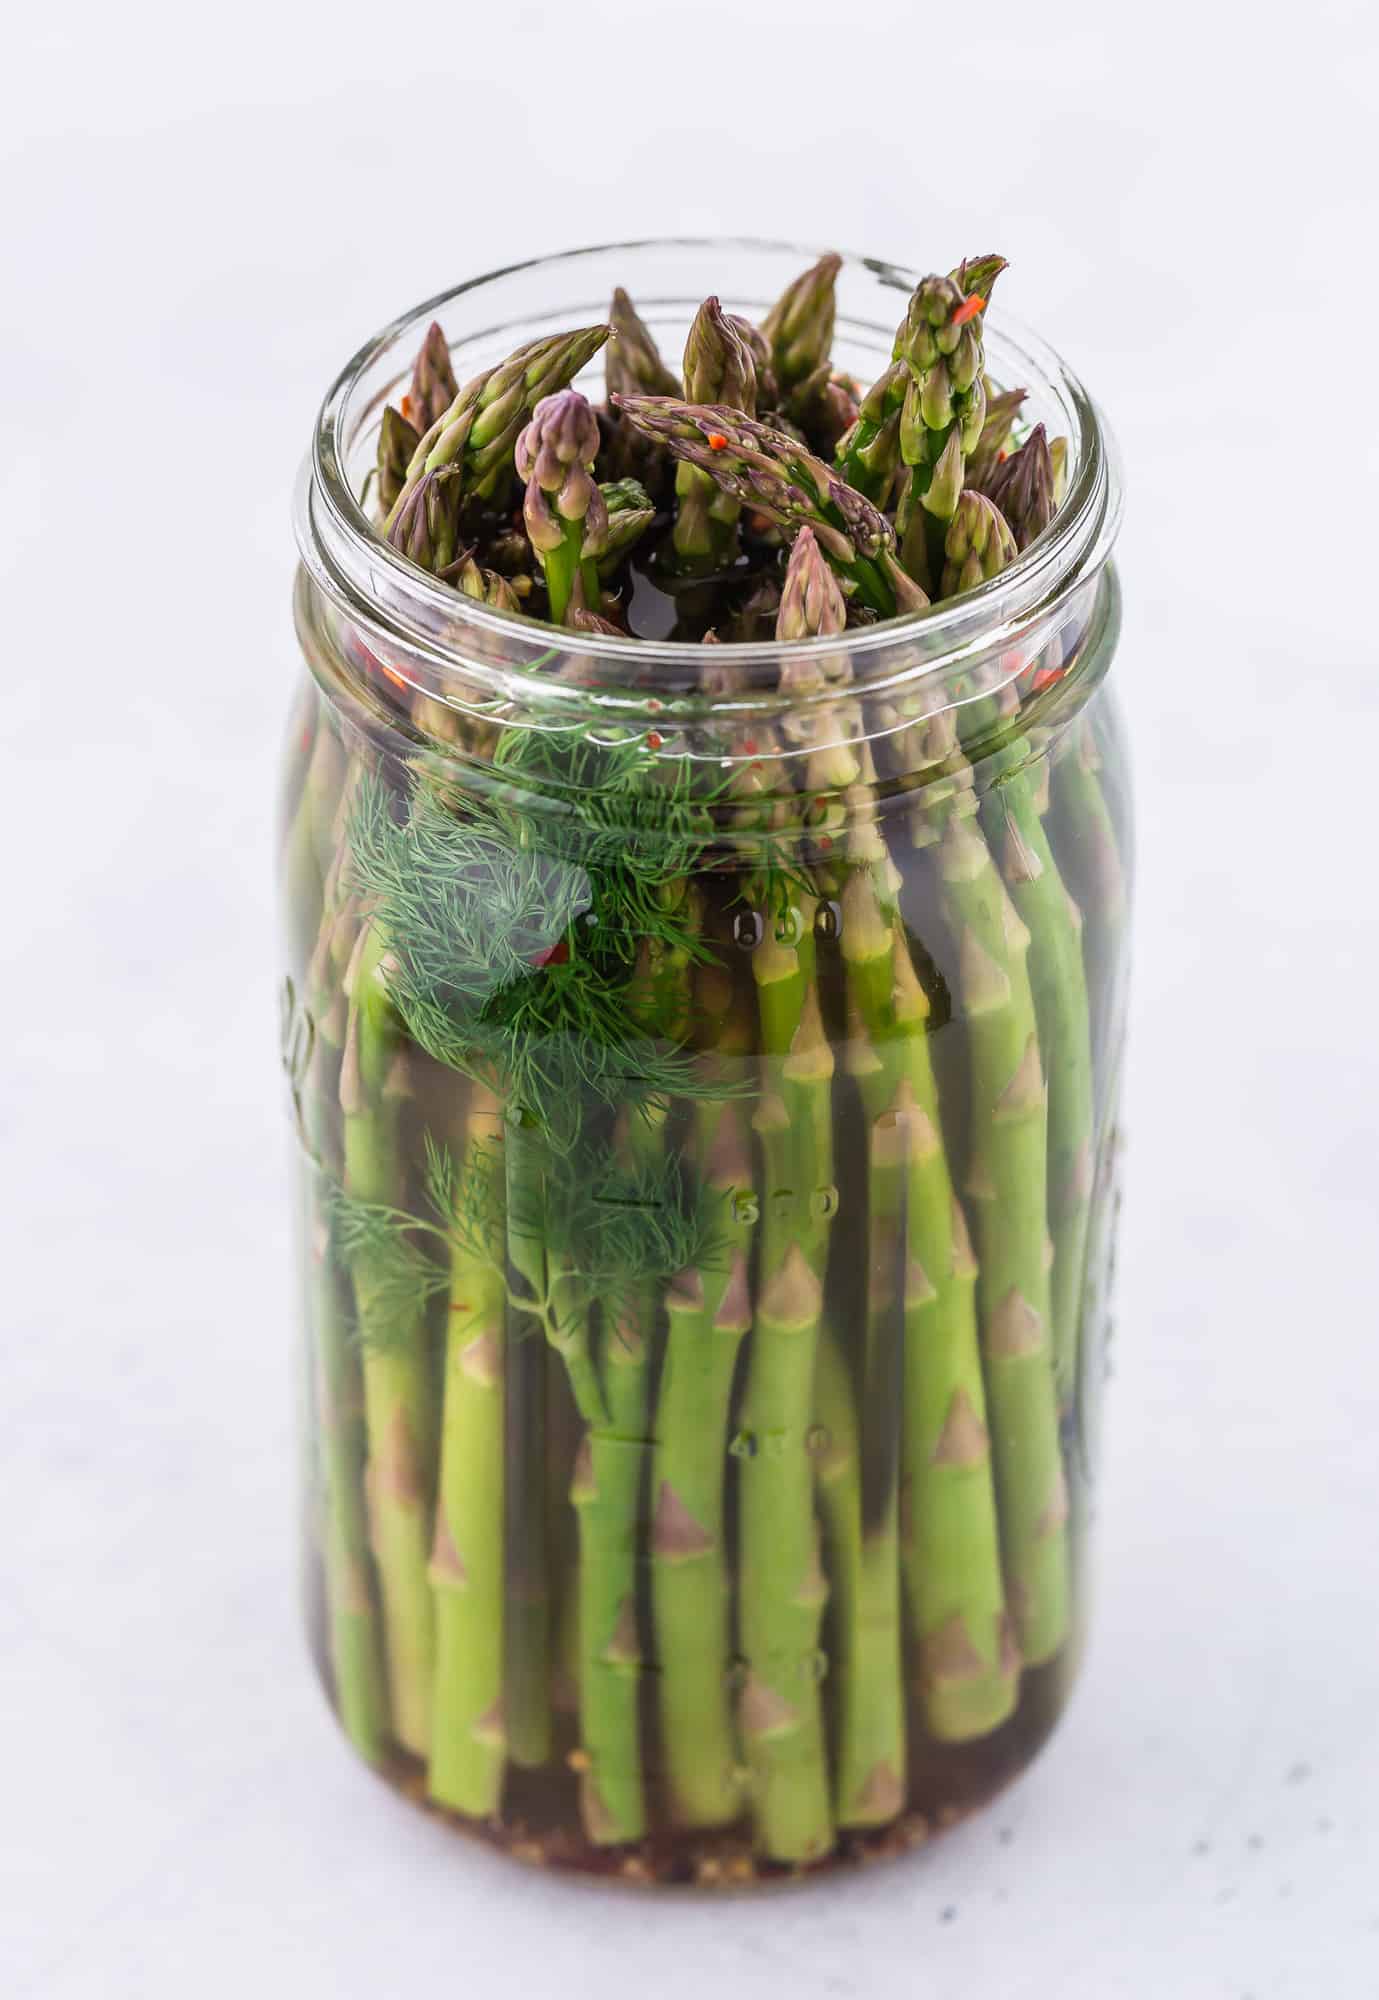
[376,586]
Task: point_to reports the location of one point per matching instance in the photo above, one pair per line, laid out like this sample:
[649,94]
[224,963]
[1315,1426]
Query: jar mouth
[402,607]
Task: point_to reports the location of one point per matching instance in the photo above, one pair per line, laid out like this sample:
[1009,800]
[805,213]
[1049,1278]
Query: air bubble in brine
[748,930]
[744,1445]
[828,922]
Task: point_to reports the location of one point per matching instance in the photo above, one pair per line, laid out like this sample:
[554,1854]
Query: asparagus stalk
[868,454]
[1059,986]
[396,1385]
[434,387]
[630,513]
[633,367]
[424,526]
[356,1645]
[990,452]
[468,1735]
[606,1490]
[772,473]
[356,1653]
[397,441]
[564,508]
[799,331]
[719,368]
[978,546]
[783,1590]
[478,431]
[967,1673]
[1008,1183]
[1022,487]
[708,1311]
[941,421]
[632,360]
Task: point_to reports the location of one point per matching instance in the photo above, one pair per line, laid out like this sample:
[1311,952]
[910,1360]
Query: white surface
[203,214]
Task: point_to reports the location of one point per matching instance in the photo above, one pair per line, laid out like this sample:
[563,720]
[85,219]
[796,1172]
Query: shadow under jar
[706,1106]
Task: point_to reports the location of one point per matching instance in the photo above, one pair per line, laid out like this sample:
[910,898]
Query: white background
[204,211]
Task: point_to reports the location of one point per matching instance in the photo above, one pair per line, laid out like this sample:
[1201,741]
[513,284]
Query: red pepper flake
[749,744]
[716,441]
[824,842]
[392,675]
[460,1306]
[1046,677]
[654,739]
[1002,455]
[969,309]
[559,954]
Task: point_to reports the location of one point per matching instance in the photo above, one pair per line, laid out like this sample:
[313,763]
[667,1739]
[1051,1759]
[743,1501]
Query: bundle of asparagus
[703,1153]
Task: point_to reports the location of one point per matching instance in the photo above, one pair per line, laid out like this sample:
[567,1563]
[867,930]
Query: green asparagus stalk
[967,1671]
[564,508]
[978,546]
[868,454]
[425,524]
[782,1588]
[478,431]
[397,442]
[1022,487]
[1008,1184]
[356,1644]
[719,368]
[708,1311]
[770,472]
[356,1653]
[630,513]
[632,360]
[606,1490]
[799,331]
[945,400]
[485,586]
[434,387]
[1059,987]
[1002,408]
[469,1732]
[396,1385]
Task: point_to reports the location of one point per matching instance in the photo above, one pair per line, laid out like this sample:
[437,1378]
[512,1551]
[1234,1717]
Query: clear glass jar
[705,1072]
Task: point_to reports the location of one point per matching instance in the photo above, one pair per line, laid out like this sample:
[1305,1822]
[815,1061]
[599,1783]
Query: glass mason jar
[704,1068]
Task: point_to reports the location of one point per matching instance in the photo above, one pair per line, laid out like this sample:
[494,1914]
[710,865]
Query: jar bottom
[947,1784]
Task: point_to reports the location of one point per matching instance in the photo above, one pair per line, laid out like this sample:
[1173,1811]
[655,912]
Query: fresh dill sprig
[403,1279]
[514,917]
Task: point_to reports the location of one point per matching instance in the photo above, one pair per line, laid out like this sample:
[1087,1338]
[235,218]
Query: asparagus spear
[768,471]
[782,1587]
[630,513]
[941,345]
[967,1678]
[868,454]
[632,360]
[396,1386]
[425,524]
[799,330]
[708,1310]
[978,545]
[633,367]
[1022,487]
[434,387]
[719,368]
[397,441]
[564,509]
[478,431]
[469,1728]
[1007,1183]
[1003,406]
